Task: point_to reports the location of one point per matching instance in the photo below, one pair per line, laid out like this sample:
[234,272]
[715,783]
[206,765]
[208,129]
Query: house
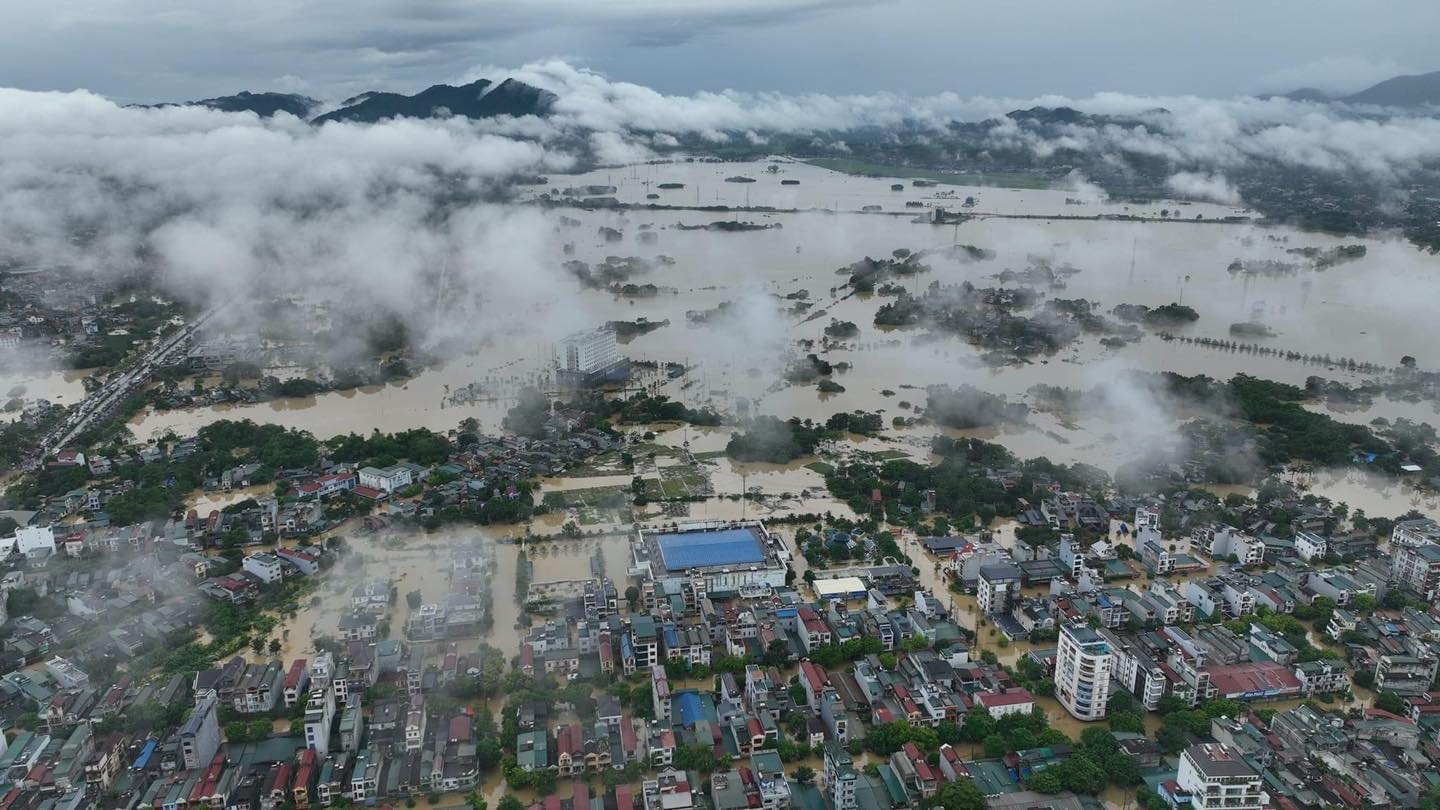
[385,479]
[33,542]
[359,626]
[1310,546]
[1009,701]
[297,681]
[302,561]
[264,566]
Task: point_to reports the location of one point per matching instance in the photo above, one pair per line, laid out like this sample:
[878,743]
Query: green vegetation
[996,179]
[644,408]
[419,445]
[772,440]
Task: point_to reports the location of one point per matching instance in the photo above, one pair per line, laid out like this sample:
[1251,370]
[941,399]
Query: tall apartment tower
[1082,672]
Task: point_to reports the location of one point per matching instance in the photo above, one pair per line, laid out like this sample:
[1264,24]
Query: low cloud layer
[1210,187]
[381,216]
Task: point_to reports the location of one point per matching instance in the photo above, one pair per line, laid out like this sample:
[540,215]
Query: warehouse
[840,589]
[709,558]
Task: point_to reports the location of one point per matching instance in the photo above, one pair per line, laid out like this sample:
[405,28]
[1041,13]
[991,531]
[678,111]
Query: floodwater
[1373,309]
[32,385]
[1349,310]
[705,185]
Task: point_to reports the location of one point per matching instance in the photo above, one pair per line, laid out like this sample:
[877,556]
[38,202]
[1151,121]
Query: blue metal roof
[688,706]
[700,549]
[144,759]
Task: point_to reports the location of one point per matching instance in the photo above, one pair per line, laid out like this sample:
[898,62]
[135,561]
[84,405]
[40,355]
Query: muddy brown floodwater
[1374,309]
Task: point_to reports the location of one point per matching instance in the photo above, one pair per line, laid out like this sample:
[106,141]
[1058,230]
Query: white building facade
[1082,672]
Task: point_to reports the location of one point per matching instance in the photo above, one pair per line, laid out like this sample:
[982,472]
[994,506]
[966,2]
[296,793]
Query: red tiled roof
[292,679]
[1253,677]
[1009,698]
[459,728]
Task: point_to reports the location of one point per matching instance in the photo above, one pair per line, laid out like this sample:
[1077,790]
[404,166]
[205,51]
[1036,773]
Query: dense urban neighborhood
[1180,649]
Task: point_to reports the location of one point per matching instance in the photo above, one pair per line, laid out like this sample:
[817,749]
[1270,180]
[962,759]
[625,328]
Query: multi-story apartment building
[1217,778]
[1082,672]
[1417,568]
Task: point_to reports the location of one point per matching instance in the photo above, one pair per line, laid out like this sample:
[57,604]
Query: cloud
[1084,189]
[367,220]
[1336,75]
[222,205]
[1211,187]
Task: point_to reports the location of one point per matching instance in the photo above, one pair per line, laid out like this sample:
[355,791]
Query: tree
[1363,603]
[275,646]
[632,596]
[1122,701]
[509,802]
[995,746]
[1127,722]
[978,725]
[1098,740]
[1169,704]
[777,653]
[1020,739]
[1081,774]
[1122,770]
[804,774]
[1170,738]
[1390,702]
[1046,781]
[961,794]
[887,738]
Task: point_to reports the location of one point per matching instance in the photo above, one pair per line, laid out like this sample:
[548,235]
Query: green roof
[538,755]
[892,784]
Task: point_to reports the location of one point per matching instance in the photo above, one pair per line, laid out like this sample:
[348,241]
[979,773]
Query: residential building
[200,736]
[264,566]
[1417,569]
[998,587]
[1082,672]
[1413,533]
[1218,778]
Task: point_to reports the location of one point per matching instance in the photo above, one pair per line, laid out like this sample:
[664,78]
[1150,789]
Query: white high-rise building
[589,352]
[1082,672]
[1217,778]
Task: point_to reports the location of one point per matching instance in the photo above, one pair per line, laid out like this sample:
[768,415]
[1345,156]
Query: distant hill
[1401,91]
[480,99]
[264,105]
[1307,94]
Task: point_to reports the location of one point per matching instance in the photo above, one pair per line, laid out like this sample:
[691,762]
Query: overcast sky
[153,50]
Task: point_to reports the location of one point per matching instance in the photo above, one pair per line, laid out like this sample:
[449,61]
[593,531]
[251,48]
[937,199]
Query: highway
[104,401]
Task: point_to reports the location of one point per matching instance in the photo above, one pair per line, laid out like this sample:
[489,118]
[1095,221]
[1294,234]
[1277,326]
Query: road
[103,402]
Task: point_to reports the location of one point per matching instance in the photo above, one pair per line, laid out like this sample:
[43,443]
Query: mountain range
[1401,91]
[478,99]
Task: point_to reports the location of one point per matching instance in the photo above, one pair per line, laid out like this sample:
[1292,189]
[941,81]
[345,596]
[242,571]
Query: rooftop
[734,546]
[1216,759]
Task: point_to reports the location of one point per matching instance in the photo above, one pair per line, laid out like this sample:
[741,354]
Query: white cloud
[1211,187]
